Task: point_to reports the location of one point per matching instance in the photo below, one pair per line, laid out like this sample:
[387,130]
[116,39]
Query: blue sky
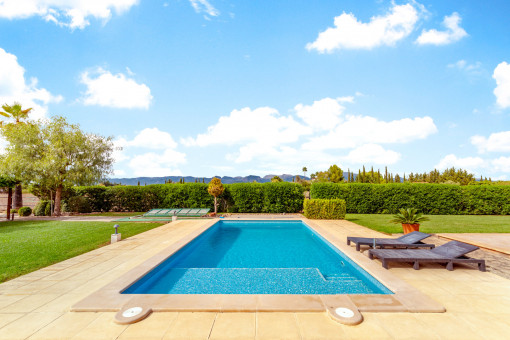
[221,87]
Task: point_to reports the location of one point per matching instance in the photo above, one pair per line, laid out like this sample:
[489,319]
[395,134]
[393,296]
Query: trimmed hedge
[25,211]
[328,209]
[281,197]
[434,199]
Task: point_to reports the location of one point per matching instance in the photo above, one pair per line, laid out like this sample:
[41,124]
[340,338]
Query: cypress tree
[364,173]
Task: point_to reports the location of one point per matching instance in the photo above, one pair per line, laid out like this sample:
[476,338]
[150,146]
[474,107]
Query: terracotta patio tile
[102,328]
[65,326]
[319,326]
[26,325]
[189,325]
[153,327]
[277,326]
[29,303]
[234,326]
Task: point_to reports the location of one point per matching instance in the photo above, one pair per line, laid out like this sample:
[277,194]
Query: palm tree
[305,170]
[15,112]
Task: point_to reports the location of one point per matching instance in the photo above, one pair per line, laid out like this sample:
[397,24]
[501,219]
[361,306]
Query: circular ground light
[344,312]
[134,311]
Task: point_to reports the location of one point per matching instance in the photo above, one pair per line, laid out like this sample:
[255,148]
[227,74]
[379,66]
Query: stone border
[406,298]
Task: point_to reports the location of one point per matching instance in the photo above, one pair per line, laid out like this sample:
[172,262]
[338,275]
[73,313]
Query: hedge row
[332,209]
[244,197]
[435,199]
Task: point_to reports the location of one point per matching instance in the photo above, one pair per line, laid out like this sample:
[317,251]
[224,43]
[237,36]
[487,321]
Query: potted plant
[410,219]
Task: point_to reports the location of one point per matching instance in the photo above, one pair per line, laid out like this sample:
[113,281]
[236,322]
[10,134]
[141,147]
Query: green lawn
[26,246]
[437,223]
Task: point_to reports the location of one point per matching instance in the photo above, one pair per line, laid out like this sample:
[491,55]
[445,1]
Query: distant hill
[191,179]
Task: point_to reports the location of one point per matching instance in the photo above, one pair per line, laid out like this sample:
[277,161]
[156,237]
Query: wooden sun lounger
[449,253]
[406,241]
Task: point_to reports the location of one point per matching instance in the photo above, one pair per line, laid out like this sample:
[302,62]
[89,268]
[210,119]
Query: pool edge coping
[406,298]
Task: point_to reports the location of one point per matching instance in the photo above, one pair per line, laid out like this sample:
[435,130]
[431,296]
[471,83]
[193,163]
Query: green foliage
[282,197]
[435,199]
[15,112]
[408,216]
[247,197]
[40,208]
[329,209]
[79,204]
[55,154]
[276,179]
[31,245]
[215,187]
[335,174]
[25,211]
[7,182]
[242,197]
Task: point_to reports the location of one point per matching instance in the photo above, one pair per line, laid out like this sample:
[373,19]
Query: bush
[79,204]
[329,209]
[47,209]
[14,211]
[25,211]
[433,199]
[40,208]
[282,197]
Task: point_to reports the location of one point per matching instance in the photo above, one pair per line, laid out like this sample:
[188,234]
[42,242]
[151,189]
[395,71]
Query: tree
[305,170]
[276,179]
[56,154]
[215,189]
[17,114]
[320,176]
[335,174]
[7,182]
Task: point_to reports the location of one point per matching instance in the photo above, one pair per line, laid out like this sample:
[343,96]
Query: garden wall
[435,199]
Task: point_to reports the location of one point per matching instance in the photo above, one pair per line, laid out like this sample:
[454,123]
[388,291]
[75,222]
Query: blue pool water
[258,257]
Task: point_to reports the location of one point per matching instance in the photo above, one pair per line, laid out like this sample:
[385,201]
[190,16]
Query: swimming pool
[258,257]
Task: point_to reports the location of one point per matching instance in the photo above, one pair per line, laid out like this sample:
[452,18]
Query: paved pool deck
[496,242]
[37,305]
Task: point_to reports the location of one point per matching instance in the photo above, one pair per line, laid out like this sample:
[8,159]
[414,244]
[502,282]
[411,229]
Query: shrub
[14,211]
[40,208]
[79,204]
[47,209]
[247,197]
[434,199]
[25,211]
[282,197]
[329,209]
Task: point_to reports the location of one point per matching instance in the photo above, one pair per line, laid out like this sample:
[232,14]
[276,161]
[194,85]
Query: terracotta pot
[409,228]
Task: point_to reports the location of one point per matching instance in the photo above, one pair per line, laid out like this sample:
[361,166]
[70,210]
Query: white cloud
[14,87]
[203,6]
[477,164]
[452,34]
[501,164]
[273,141]
[159,159]
[114,90]
[349,33]
[69,13]
[465,66]
[497,142]
[322,114]
[263,125]
[158,164]
[468,163]
[153,139]
[372,154]
[502,91]
[359,130]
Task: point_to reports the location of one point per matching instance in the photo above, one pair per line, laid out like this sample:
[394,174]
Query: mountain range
[192,179]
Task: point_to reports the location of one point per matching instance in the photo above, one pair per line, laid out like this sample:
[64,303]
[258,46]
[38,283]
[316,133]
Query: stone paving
[36,305]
